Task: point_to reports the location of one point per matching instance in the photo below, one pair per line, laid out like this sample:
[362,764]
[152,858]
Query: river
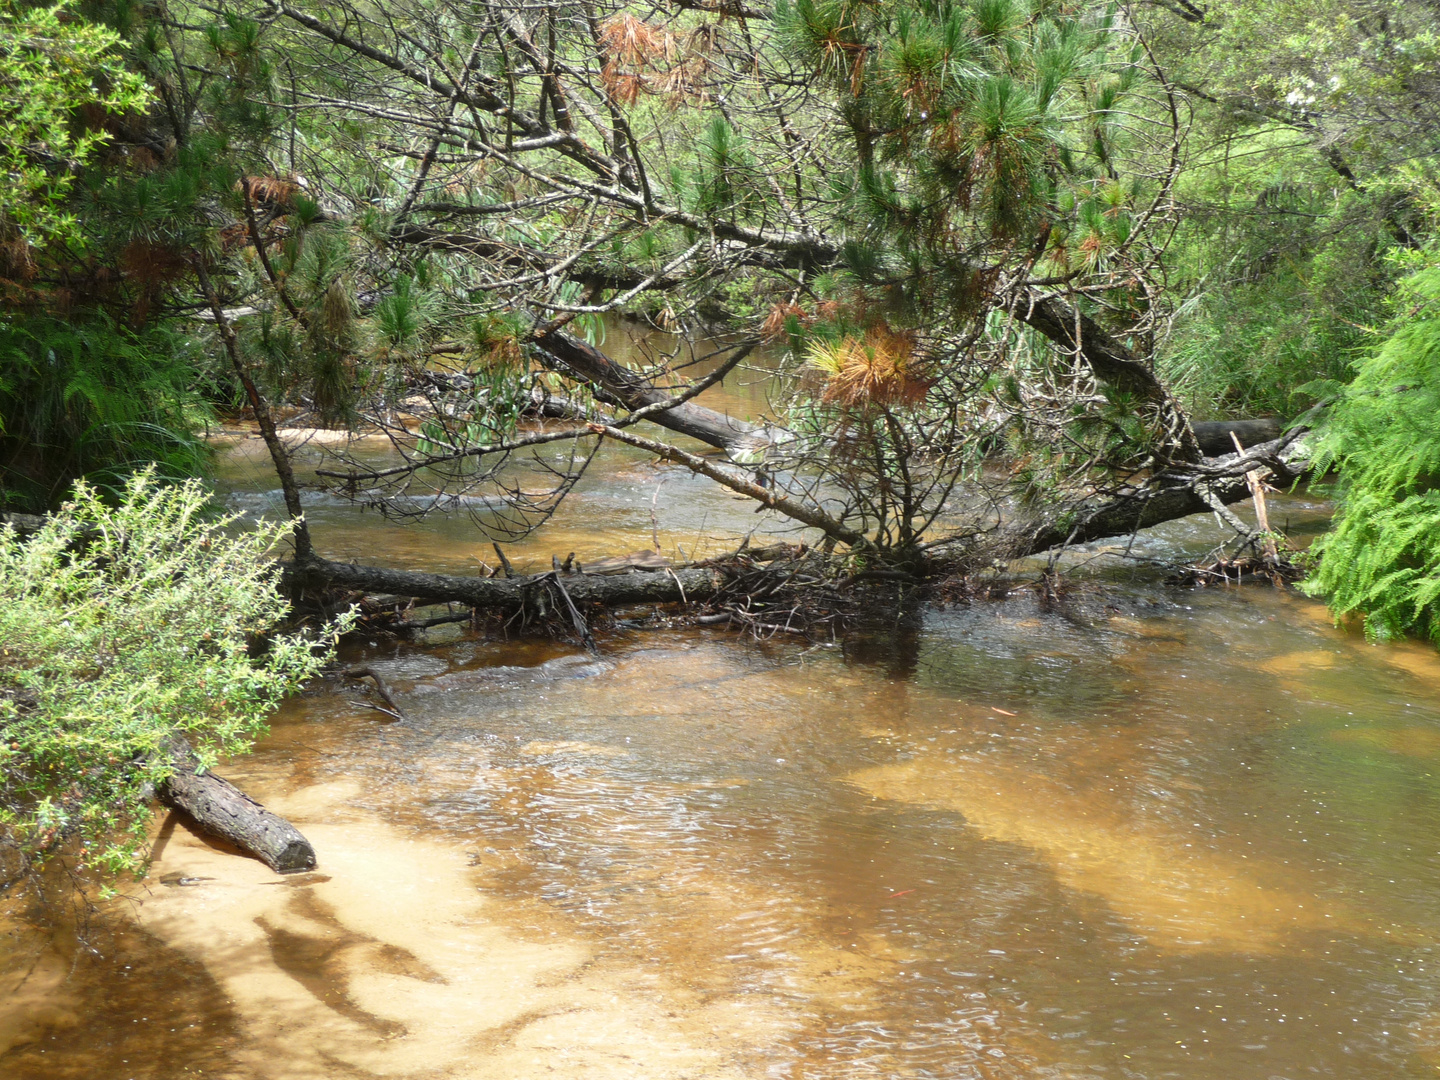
[1151,833]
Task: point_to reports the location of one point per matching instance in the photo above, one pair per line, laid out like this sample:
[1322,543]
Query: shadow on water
[319,963]
[126,1005]
[894,648]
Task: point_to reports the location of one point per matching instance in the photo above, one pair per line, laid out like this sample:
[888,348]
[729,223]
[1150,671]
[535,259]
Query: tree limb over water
[995,314]
[1219,481]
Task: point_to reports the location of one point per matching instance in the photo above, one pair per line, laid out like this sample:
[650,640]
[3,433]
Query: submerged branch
[808,514]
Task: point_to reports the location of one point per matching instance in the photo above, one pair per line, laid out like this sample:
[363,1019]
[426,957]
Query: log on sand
[220,808]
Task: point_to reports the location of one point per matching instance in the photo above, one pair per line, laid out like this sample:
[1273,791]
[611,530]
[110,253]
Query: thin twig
[383,690]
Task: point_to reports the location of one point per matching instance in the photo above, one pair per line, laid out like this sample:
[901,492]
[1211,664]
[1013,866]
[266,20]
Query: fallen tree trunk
[509,594]
[220,808]
[1222,482]
[1217,482]
[1113,363]
[1214,435]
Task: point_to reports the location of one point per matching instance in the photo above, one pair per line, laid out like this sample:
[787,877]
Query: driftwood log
[220,808]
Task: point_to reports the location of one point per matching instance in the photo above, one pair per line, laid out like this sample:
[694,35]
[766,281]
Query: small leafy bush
[118,628]
[1382,558]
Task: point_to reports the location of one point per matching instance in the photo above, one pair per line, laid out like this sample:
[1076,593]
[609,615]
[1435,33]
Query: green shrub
[1382,558]
[54,64]
[118,628]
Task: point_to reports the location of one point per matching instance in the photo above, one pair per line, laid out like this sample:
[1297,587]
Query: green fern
[1382,559]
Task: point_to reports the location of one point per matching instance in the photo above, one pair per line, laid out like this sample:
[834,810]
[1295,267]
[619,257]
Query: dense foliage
[120,627]
[52,64]
[97,400]
[1316,128]
[1382,433]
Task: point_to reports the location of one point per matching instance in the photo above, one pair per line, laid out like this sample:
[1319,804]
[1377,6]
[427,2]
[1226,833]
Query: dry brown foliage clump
[270,192]
[879,369]
[641,58]
[775,324]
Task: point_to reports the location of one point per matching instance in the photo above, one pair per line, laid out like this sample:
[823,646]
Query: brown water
[1155,834]
[625,502]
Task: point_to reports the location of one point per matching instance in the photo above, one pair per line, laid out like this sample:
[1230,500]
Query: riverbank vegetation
[123,627]
[1381,435]
[1001,254]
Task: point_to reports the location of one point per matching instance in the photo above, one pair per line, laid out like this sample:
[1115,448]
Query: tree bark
[625,388]
[1214,435]
[509,594]
[1111,361]
[222,809]
[1128,514]
[279,456]
[519,257]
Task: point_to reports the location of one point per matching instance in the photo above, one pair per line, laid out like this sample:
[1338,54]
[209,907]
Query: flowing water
[1153,833]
